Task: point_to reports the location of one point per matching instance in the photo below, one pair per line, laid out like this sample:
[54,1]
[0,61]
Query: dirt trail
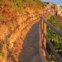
[30,52]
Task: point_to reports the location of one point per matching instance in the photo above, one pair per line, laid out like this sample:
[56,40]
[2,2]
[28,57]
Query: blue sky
[55,1]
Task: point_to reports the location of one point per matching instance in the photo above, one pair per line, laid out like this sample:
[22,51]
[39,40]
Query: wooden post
[40,43]
[43,25]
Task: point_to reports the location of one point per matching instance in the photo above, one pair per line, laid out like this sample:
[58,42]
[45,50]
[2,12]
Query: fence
[43,24]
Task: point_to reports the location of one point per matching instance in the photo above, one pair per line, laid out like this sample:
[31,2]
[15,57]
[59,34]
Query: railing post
[43,25]
[40,42]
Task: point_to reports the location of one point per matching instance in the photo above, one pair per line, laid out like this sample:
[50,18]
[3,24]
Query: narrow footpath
[30,48]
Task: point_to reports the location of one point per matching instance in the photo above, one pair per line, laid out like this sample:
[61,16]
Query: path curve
[30,48]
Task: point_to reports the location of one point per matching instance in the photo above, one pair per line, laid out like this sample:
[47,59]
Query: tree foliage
[53,36]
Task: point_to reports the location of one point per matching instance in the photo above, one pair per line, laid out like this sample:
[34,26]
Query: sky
[55,1]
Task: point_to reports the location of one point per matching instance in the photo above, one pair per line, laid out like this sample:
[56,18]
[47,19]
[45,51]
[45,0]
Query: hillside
[13,7]
[12,14]
[22,3]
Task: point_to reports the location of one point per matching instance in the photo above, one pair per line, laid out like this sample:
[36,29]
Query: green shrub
[53,36]
[1,53]
[1,16]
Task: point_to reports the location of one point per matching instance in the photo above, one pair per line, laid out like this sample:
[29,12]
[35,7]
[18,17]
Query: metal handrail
[52,27]
[52,48]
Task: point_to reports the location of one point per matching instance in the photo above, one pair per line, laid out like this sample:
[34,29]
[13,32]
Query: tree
[53,36]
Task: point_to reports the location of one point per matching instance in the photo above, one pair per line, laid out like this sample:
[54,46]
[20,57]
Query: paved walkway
[30,52]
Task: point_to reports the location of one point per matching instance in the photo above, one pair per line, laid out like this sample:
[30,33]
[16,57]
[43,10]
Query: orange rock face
[13,30]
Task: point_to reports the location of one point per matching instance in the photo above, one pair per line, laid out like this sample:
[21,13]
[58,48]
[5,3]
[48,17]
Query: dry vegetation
[14,16]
